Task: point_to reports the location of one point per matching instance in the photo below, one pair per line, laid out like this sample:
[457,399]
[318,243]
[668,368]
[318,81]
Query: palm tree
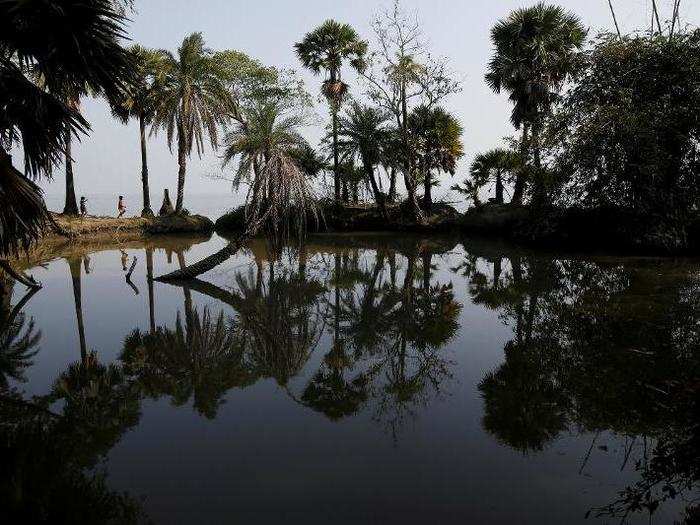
[326,48]
[535,53]
[192,101]
[281,199]
[75,47]
[263,131]
[362,133]
[494,165]
[437,145]
[139,102]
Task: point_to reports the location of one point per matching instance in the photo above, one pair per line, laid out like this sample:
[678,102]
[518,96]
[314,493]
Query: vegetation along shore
[605,151]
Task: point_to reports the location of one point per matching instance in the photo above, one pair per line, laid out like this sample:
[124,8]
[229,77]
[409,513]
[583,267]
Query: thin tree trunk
[520,181]
[71,204]
[147,211]
[182,164]
[428,192]
[617,26]
[392,185]
[409,180]
[336,171]
[375,189]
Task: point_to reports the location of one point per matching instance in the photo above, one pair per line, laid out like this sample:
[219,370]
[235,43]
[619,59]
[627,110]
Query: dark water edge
[364,378]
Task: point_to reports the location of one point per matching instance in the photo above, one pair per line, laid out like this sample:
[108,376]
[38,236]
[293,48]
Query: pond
[361,378]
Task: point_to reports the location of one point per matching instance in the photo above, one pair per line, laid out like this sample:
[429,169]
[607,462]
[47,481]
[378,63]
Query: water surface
[363,378]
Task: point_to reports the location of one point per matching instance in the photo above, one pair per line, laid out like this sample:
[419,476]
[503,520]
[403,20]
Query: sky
[108,160]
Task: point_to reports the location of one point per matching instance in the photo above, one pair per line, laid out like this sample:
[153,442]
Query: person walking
[121,207]
[83,207]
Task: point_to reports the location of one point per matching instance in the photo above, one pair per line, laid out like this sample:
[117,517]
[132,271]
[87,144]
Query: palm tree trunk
[427,192]
[208,263]
[520,181]
[74,265]
[369,170]
[71,205]
[336,171]
[392,185]
[147,211]
[182,163]
[499,187]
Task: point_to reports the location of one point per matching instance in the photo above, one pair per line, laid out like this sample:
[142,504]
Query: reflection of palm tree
[524,407]
[18,338]
[200,360]
[280,322]
[75,266]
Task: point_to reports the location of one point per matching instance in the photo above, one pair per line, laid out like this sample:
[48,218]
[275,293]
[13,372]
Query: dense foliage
[626,135]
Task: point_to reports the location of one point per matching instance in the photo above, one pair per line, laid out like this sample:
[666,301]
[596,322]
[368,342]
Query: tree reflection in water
[49,461]
[599,347]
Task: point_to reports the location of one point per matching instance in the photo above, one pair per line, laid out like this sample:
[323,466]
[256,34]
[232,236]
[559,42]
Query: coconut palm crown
[193,101]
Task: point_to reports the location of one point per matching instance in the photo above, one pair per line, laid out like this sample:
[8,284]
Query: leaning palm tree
[263,130]
[139,102]
[437,145]
[281,199]
[192,101]
[362,134]
[535,53]
[325,49]
[74,45]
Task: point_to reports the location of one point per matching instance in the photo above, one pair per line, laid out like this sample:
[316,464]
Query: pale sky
[109,160]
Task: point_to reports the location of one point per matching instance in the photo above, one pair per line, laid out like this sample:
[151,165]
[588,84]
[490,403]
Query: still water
[362,379]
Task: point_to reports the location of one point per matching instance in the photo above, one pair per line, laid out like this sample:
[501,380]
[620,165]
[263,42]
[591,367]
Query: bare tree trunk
[147,211]
[617,26]
[71,205]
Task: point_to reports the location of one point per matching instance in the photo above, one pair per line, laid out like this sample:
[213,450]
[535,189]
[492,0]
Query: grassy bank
[133,226]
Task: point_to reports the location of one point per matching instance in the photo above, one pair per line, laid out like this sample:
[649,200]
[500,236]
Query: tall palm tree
[139,102]
[494,165]
[192,101]
[535,51]
[74,45]
[437,145]
[325,49]
[361,135]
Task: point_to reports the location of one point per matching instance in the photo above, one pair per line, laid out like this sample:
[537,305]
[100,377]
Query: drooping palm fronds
[74,47]
[23,213]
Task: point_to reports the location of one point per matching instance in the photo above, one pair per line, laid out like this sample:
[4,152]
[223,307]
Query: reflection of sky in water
[267,455]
